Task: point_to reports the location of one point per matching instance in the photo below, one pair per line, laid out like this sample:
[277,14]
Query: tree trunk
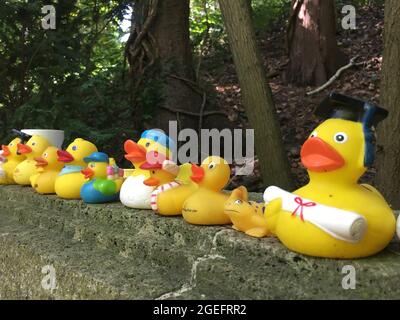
[159,47]
[314,56]
[388,164]
[164,55]
[257,96]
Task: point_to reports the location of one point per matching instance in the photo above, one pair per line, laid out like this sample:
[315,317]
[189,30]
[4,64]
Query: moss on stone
[112,252]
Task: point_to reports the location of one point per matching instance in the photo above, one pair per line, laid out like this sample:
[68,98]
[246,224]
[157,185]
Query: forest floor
[294,108]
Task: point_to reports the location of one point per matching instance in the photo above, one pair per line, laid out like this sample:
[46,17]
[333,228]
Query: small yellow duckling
[12,159]
[3,176]
[206,205]
[134,193]
[169,194]
[48,168]
[70,180]
[333,216]
[160,174]
[168,200]
[27,168]
[246,216]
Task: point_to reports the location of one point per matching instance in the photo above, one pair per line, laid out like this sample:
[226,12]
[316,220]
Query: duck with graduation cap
[334,216]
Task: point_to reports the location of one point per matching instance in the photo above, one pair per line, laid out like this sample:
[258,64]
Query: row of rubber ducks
[89,175]
[332,216]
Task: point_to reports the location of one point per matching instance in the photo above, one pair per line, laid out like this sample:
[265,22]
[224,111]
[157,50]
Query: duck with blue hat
[104,179]
[134,193]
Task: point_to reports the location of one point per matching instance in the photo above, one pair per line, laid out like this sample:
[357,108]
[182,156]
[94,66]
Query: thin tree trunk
[257,96]
[311,40]
[388,165]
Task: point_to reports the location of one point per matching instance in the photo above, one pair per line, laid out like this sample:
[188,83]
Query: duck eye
[153,172]
[33,143]
[340,137]
[314,134]
[147,144]
[11,145]
[45,155]
[238,201]
[92,165]
[74,148]
[211,166]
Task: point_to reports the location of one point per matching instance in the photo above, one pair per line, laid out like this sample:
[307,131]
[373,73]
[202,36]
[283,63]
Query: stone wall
[112,252]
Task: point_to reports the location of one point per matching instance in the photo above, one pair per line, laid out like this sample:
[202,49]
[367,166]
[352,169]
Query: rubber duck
[11,159]
[70,180]
[246,216]
[3,176]
[169,194]
[333,216]
[105,180]
[48,169]
[206,205]
[168,199]
[134,193]
[27,168]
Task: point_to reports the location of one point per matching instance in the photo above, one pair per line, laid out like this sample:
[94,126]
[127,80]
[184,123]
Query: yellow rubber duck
[246,216]
[134,193]
[156,163]
[336,155]
[3,176]
[168,200]
[206,205]
[12,159]
[169,194]
[27,168]
[70,180]
[48,168]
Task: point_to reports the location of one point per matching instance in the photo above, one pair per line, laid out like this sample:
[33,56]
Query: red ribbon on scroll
[301,206]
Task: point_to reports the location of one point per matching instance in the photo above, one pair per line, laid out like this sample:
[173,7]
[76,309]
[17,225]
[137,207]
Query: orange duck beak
[64,156]
[40,162]
[23,148]
[319,156]
[197,173]
[151,182]
[6,150]
[134,152]
[88,173]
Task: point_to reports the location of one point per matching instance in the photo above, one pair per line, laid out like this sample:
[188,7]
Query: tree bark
[159,46]
[388,164]
[257,96]
[166,56]
[314,55]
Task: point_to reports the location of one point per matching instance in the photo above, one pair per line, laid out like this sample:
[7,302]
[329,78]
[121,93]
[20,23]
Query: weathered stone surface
[112,252]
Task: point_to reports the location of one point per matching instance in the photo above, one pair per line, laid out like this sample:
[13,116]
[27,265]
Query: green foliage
[207,29]
[206,23]
[266,12]
[69,78]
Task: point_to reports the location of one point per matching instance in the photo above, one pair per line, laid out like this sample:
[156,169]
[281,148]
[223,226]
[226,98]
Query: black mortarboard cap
[22,135]
[340,106]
